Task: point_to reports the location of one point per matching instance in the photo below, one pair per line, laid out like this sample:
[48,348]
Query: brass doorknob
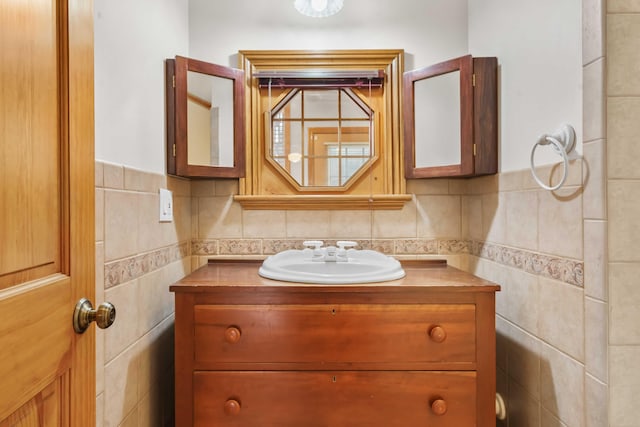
[84,314]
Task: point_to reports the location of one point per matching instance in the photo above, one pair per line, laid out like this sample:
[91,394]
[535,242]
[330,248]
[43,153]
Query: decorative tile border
[563,269]
[127,269]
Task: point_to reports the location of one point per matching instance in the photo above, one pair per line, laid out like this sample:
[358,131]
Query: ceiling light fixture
[318,8]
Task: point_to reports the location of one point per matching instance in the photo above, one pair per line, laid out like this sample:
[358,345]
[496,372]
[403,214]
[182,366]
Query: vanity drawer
[334,399]
[404,335]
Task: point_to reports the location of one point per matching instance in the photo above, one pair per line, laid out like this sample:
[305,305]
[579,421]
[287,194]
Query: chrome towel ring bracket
[563,142]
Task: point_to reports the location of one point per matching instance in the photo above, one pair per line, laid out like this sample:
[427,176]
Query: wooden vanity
[254,352]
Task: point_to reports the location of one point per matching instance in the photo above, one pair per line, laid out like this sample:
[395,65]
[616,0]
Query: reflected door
[46,212]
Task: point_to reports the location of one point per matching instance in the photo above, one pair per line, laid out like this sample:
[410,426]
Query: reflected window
[321,137]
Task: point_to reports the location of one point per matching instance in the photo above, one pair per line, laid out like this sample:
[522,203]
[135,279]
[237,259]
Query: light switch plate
[166,205]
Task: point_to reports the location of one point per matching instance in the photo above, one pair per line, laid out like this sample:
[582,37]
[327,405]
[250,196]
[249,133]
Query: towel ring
[562,143]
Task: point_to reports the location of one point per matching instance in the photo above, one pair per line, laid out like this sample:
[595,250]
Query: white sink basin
[361,266]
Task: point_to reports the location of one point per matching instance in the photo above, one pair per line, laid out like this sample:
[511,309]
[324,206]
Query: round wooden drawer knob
[438,334]
[232,407]
[439,407]
[232,334]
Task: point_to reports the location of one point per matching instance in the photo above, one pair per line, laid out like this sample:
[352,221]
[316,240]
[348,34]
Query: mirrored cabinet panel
[450,119]
[205,119]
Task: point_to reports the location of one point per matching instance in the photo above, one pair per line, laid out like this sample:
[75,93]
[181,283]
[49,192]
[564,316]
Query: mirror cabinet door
[205,119]
[450,123]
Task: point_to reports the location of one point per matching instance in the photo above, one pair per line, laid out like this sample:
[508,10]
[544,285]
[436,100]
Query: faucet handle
[342,244]
[315,244]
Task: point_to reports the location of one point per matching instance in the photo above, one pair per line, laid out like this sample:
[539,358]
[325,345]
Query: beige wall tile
[395,224]
[459,186]
[131,419]
[308,224]
[203,188]
[522,297]
[124,330]
[137,180]
[149,230]
[179,186]
[595,259]
[180,229]
[346,225]
[624,294]
[560,225]
[547,419]
[226,187]
[561,316]
[523,409]
[594,199]
[155,358]
[484,184]
[623,128]
[562,386]
[100,410]
[623,6]
[99,212]
[99,174]
[260,223]
[120,224]
[472,217]
[595,401]
[502,343]
[512,180]
[219,217]
[155,300]
[593,101]
[592,30]
[524,360]
[623,55]
[427,186]
[596,338]
[113,176]
[121,387]
[522,219]
[624,211]
[439,216]
[195,213]
[494,218]
[624,386]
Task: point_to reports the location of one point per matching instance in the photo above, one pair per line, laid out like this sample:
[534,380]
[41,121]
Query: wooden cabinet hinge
[174,81]
[475,150]
[473,80]
[174,149]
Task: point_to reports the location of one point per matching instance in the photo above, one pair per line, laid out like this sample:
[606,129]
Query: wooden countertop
[242,277]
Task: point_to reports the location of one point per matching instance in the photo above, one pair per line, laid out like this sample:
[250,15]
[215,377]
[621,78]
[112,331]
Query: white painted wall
[132,39]
[538,45]
[539,50]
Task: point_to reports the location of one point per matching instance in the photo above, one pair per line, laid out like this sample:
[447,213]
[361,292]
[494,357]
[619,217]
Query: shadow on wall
[529,399]
[155,383]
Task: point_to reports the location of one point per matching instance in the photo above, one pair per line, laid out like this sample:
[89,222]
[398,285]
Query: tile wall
[623,180]
[137,258]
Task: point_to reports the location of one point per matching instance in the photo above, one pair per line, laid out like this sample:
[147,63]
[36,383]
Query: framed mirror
[321,138]
[450,123]
[205,119]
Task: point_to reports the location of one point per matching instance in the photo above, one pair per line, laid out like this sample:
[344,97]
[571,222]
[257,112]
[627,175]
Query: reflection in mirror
[437,133]
[209,120]
[321,137]
[205,119]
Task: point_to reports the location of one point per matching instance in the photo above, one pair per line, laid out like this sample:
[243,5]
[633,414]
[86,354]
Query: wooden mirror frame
[381,187]
[177,138]
[478,118]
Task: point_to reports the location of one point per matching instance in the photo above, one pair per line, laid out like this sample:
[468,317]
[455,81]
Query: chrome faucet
[329,253]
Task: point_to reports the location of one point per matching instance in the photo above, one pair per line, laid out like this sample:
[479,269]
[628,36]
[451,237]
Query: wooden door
[46,212]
